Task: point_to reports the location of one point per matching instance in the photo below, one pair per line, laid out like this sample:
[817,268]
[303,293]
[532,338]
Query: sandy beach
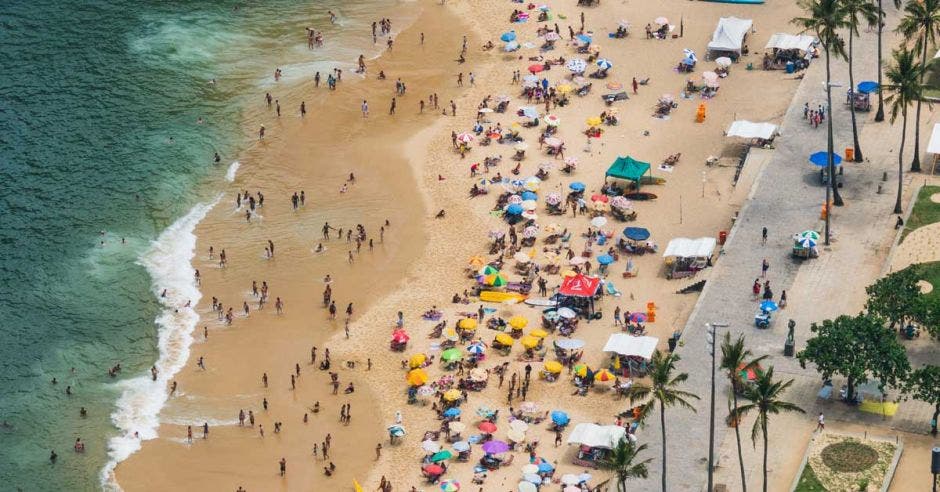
[406,171]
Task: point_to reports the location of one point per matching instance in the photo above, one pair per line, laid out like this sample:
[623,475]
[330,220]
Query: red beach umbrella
[487,427]
[536,68]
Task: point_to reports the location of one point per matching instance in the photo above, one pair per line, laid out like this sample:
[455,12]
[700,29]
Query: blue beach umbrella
[605,64]
[528,195]
[821,159]
[636,233]
[560,418]
[514,209]
[545,467]
[577,186]
[605,259]
[867,86]
[533,478]
[769,306]
[508,36]
[584,38]
[452,412]
[530,112]
[511,46]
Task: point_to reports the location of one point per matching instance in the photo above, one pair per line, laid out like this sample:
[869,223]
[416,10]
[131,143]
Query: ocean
[108,124]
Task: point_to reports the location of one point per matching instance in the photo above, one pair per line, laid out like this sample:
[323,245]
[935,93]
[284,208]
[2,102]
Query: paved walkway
[786,198]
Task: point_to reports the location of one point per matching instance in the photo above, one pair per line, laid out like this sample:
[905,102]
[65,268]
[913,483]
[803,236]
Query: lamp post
[710,339]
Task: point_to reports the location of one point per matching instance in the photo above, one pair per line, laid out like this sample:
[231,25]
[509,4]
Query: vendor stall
[757,133]
[578,291]
[631,353]
[789,52]
[629,169]
[595,442]
[685,257]
[728,38]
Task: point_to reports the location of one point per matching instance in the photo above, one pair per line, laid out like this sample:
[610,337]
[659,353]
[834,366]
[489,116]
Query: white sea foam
[168,261]
[232,169]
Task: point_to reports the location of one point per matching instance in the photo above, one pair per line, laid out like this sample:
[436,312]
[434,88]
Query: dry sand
[422,261]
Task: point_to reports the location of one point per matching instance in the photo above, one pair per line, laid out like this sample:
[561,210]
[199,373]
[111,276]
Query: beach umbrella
[417,360]
[451,395]
[578,260]
[594,121]
[723,61]
[504,339]
[467,324]
[821,159]
[520,425]
[511,46]
[546,467]
[867,87]
[689,54]
[571,161]
[430,446]
[521,257]
[515,199]
[577,186]
[457,427]
[569,343]
[584,38]
[450,485]
[529,342]
[451,355]
[807,242]
[426,390]
[638,317]
[810,234]
[533,478]
[636,233]
[396,430]
[709,75]
[417,377]
[552,120]
[478,375]
[451,334]
[508,36]
[452,412]
[604,376]
[581,370]
[712,83]
[485,411]
[530,112]
[536,68]
[442,455]
[605,64]
[530,468]
[553,198]
[661,21]
[494,235]
[567,313]
[551,36]
[538,333]
[530,232]
[599,221]
[570,479]
[526,487]
[514,209]
[749,373]
[518,322]
[553,141]
[516,436]
[619,202]
[465,137]
[529,407]
[432,469]
[528,195]
[460,446]
[560,418]
[553,366]
[614,86]
[605,259]
[400,336]
[494,447]
[487,427]
[489,269]
[769,305]
[576,65]
[477,261]
[563,89]
[528,205]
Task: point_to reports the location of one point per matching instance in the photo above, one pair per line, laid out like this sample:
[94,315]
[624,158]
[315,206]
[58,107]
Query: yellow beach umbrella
[467,324]
[581,370]
[594,121]
[553,366]
[451,395]
[538,333]
[568,273]
[356,486]
[477,261]
[504,339]
[518,322]
[451,334]
[417,377]
[604,376]
[563,88]
[529,341]
[417,360]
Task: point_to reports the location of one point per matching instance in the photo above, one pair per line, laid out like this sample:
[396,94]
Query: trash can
[722,237]
[849,154]
[791,67]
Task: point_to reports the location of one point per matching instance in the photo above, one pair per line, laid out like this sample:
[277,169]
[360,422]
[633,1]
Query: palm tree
[922,20]
[735,357]
[663,388]
[764,397]
[825,18]
[855,11]
[621,461]
[880,115]
[904,88]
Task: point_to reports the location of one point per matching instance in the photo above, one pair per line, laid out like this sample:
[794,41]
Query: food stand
[595,442]
[631,353]
[684,257]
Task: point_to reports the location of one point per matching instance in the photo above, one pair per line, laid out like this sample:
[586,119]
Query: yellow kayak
[503,297]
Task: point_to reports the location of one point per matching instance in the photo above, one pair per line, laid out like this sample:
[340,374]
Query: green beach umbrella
[441,456]
[489,270]
[810,234]
[451,355]
[496,280]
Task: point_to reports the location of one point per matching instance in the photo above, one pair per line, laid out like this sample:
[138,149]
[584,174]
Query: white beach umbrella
[576,65]
[551,36]
[661,21]
[709,75]
[599,221]
[723,61]
[430,446]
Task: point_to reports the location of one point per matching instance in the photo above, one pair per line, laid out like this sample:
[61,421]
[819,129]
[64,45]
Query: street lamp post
[710,339]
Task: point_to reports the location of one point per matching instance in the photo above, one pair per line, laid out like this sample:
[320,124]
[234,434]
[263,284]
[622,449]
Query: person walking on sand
[755,289]
[391,109]
[763,239]
[821,422]
[365,108]
[635,85]
[279,305]
[378,451]
[261,133]
[189,434]
[283,466]
[765,265]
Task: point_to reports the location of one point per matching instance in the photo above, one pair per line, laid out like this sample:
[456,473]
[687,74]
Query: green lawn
[931,273]
[809,482]
[925,212]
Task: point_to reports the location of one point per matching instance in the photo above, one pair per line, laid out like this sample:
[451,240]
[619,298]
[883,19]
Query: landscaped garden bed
[840,463]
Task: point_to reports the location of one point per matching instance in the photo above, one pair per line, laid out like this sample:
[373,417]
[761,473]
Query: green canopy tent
[630,169]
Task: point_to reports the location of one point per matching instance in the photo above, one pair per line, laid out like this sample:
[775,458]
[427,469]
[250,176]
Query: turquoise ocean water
[100,142]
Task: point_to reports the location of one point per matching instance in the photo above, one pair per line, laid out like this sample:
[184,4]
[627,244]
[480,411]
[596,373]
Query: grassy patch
[809,482]
[931,273]
[849,456]
[925,211]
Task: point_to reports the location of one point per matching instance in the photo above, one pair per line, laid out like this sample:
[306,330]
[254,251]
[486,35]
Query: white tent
[629,345]
[729,35]
[934,146]
[748,129]
[597,436]
[783,41]
[682,247]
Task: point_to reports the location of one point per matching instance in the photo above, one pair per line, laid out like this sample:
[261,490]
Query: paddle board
[640,196]
[652,180]
[540,301]
[495,296]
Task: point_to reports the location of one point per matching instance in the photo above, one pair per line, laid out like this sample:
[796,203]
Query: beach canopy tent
[783,41]
[630,346]
[579,286]
[628,168]
[934,146]
[729,34]
[748,129]
[682,247]
[597,436]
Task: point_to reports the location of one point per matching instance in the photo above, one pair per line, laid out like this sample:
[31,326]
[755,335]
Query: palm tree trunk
[662,421]
[915,163]
[897,203]
[622,484]
[936,413]
[764,428]
[880,115]
[858,148]
[836,198]
[737,436]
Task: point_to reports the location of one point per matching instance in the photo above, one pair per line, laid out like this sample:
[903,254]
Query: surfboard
[640,196]
[496,296]
[540,301]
